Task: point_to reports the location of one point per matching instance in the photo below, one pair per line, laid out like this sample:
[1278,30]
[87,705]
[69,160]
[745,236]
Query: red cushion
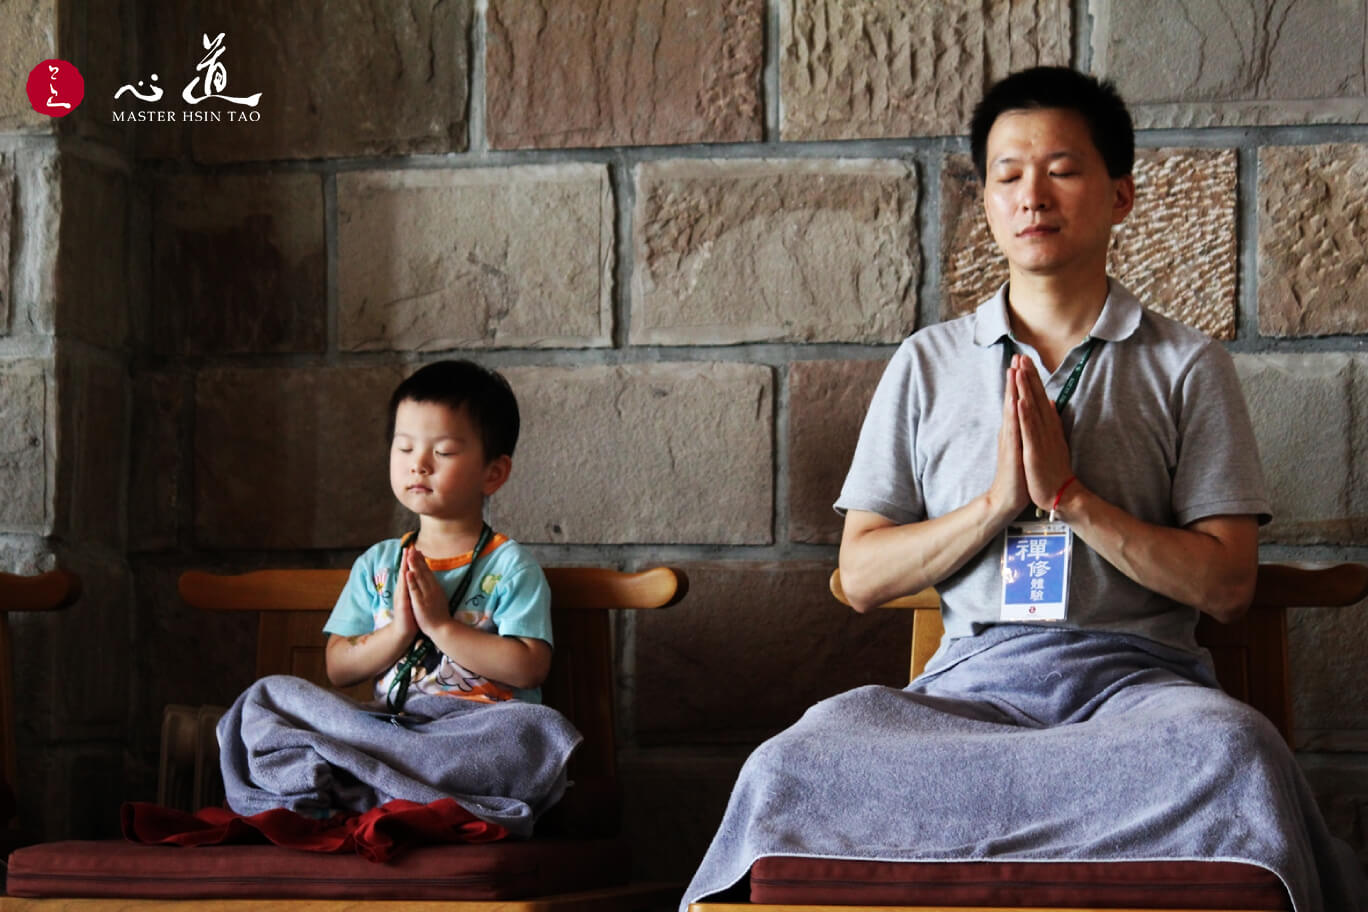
[501,870]
[1117,884]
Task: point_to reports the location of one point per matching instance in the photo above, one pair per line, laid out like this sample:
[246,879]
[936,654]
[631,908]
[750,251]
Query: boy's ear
[496,473]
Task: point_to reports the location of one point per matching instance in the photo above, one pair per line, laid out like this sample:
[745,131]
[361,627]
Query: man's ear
[496,473]
[1124,200]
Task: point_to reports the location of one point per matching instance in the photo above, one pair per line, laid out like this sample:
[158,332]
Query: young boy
[453,427]
[453,623]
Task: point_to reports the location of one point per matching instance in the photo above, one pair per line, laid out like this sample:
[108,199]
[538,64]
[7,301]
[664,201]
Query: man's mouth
[1037,230]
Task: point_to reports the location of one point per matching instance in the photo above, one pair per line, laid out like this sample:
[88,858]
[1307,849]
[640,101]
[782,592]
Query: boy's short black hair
[1096,100]
[484,393]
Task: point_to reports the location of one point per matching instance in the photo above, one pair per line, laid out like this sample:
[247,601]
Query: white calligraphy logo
[53,102]
[212,74]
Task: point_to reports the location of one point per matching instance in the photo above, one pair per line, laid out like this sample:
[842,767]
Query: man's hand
[1008,495]
[424,594]
[1044,451]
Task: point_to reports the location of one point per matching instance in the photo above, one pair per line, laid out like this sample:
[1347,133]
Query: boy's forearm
[353,659]
[509,660]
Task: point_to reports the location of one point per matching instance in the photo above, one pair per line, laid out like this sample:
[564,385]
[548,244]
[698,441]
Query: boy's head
[483,394]
[1097,102]
[453,426]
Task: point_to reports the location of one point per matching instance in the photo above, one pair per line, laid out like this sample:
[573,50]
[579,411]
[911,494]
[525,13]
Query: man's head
[1054,149]
[1097,102]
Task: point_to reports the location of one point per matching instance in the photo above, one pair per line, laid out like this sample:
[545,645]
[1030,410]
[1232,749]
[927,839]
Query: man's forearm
[1211,565]
[882,561]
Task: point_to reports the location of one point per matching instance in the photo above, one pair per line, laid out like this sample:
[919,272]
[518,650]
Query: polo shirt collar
[1120,316]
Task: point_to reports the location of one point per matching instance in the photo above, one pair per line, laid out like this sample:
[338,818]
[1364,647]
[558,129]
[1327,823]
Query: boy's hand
[402,606]
[425,594]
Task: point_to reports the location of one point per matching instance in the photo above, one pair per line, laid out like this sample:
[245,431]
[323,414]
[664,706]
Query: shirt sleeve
[353,613]
[883,477]
[524,604]
[1218,471]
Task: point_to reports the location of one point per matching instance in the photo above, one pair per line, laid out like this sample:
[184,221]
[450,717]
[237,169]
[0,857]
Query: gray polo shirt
[1157,426]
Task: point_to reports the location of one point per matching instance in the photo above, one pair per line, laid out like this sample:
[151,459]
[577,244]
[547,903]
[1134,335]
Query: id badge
[1035,571]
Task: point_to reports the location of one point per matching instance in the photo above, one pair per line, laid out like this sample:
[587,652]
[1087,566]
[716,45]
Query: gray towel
[1030,744]
[288,743]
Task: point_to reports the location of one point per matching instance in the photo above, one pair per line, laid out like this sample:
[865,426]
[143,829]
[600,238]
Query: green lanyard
[1071,383]
[422,644]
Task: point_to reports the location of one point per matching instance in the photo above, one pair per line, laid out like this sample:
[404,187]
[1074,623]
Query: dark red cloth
[377,834]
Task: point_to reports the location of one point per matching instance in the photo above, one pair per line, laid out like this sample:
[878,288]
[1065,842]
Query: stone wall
[690,234]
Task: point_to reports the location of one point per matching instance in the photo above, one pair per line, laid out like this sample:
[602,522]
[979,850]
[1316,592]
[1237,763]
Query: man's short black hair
[483,393]
[1096,100]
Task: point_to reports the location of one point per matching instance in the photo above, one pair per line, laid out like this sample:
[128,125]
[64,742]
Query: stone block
[6,230]
[1306,410]
[168,47]
[668,835]
[28,36]
[93,256]
[658,453]
[1192,63]
[293,458]
[732,251]
[105,57]
[24,437]
[851,69]
[35,236]
[1180,260]
[1326,647]
[238,264]
[624,72]
[157,469]
[25,554]
[827,405]
[1313,240]
[352,78]
[754,646]
[91,479]
[475,258]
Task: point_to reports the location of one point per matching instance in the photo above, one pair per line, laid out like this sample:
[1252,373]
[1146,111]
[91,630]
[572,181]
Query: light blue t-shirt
[510,597]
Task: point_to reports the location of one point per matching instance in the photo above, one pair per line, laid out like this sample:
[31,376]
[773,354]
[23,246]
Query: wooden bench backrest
[1250,655]
[294,604]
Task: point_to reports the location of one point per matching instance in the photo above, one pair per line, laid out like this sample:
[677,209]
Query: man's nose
[1035,194]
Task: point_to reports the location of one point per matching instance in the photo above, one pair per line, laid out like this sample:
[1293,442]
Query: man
[1078,477]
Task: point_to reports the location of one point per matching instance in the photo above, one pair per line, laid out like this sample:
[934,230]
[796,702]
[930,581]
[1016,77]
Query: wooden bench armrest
[1288,586]
[44,592]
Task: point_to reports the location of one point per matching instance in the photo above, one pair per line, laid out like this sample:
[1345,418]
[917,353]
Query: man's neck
[447,538]
[1053,314]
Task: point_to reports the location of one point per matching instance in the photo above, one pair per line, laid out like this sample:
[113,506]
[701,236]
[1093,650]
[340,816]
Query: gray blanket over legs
[288,743]
[1031,744]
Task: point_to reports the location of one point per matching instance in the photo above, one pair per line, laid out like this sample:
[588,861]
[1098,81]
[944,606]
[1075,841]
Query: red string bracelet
[1060,493]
